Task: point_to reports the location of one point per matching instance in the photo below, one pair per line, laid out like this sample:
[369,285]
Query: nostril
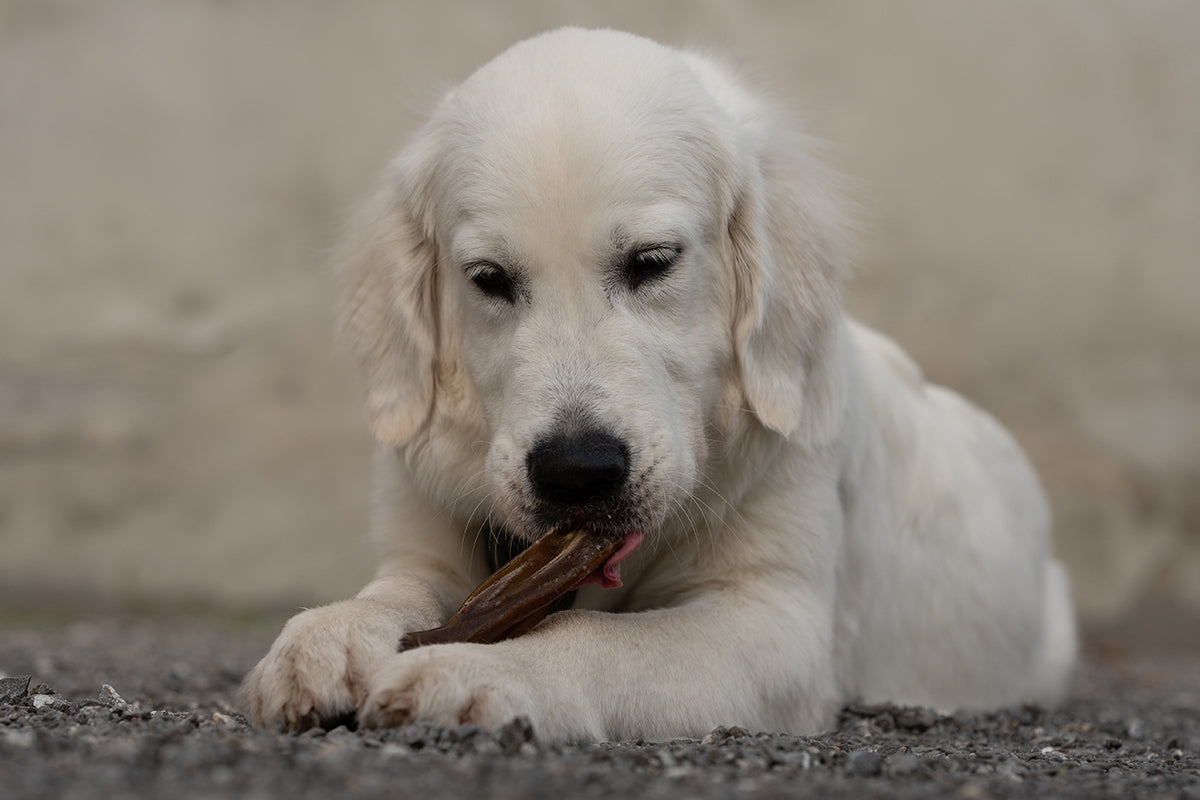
[578,468]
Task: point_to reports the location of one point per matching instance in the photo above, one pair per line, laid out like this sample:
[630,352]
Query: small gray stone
[916,719]
[41,700]
[18,738]
[865,763]
[515,734]
[971,790]
[721,734]
[108,695]
[14,690]
[1013,769]
[43,696]
[901,764]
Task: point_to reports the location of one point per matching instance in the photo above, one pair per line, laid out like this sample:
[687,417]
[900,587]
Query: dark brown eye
[651,264]
[493,281]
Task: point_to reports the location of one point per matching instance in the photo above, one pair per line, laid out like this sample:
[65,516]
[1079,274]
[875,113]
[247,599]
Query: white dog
[603,287]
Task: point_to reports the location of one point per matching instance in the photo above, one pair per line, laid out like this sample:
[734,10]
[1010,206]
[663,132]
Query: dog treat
[520,594]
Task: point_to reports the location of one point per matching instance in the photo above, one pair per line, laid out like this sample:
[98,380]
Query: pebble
[1012,769]
[916,719]
[722,734]
[972,790]
[15,689]
[109,697]
[43,697]
[899,765]
[515,734]
[865,763]
[17,738]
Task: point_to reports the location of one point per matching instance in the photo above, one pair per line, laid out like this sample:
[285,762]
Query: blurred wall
[176,425]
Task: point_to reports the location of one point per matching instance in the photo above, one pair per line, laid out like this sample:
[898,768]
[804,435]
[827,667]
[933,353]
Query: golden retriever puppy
[602,288]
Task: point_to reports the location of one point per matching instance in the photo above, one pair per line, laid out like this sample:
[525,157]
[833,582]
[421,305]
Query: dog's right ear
[387,310]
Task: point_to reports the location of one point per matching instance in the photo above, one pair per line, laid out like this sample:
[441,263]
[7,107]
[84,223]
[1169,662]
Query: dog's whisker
[471,483]
[728,507]
[485,497]
[682,514]
[485,523]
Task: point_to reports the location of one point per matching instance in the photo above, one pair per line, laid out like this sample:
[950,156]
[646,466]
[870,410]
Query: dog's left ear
[787,243]
[388,308]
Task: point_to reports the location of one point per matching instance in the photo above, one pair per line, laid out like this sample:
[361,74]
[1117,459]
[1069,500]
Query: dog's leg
[761,660]
[319,667]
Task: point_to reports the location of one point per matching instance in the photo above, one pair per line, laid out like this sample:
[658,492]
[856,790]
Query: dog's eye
[650,264]
[493,281]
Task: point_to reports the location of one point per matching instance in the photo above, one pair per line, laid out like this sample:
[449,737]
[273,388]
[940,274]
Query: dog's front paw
[453,684]
[488,685]
[319,668]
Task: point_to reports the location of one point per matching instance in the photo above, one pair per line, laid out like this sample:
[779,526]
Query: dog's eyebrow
[638,246]
[663,229]
[470,250]
[628,247]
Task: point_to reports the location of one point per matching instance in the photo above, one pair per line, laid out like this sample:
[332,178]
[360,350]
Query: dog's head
[593,267]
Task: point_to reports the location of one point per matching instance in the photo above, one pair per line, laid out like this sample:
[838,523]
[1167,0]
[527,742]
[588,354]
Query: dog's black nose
[578,468]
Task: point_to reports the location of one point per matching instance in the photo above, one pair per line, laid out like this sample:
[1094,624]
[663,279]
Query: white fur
[821,523]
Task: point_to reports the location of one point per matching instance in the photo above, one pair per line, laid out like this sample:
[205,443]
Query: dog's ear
[787,239]
[388,305]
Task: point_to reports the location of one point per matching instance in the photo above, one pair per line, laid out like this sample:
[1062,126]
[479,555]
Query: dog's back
[958,602]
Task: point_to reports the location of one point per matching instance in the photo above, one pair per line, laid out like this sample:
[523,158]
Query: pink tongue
[609,574]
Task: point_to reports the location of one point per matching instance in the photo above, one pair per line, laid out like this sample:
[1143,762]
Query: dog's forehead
[561,123]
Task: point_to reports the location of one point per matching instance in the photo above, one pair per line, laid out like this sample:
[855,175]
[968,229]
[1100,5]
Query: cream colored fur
[821,524]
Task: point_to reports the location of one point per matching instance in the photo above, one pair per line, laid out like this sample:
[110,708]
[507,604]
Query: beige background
[177,427]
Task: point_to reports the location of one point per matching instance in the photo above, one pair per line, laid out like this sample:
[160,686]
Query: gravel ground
[120,708]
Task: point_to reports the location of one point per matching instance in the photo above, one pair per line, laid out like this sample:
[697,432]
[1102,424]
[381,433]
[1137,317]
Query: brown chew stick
[520,594]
